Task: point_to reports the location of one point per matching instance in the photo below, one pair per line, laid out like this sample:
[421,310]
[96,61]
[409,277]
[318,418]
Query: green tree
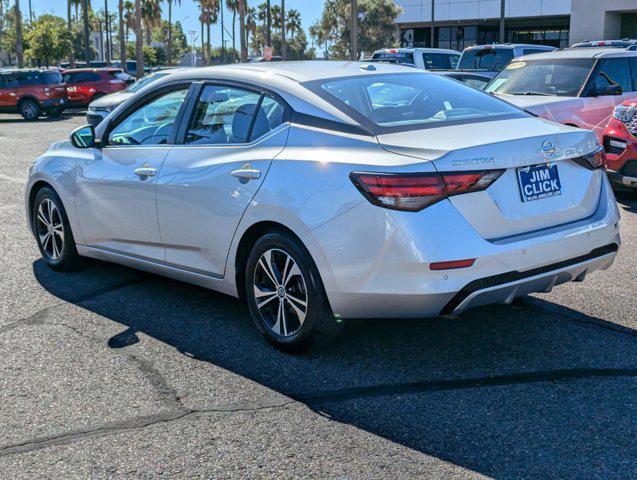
[179,41]
[376,26]
[151,55]
[49,40]
[151,16]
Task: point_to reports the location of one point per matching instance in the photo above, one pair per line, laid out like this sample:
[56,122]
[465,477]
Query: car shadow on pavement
[530,390]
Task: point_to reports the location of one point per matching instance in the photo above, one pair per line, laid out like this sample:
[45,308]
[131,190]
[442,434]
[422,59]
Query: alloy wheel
[50,229]
[280,292]
[30,110]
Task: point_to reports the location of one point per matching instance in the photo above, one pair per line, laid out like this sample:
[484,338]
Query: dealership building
[459,24]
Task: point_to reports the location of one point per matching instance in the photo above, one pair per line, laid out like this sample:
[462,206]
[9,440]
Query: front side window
[227,115]
[614,71]
[150,124]
[387,103]
[561,77]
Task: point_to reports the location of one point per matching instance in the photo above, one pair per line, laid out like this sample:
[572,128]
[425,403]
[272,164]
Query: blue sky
[187,12]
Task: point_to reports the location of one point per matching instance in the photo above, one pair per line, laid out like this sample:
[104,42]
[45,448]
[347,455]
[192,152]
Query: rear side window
[615,71]
[485,59]
[8,81]
[53,77]
[227,115]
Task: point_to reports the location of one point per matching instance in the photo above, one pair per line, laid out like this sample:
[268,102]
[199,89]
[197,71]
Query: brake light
[415,191]
[593,160]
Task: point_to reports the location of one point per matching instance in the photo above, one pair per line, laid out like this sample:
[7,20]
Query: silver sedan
[320,191]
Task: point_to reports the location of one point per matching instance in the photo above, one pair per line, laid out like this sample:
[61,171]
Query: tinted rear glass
[440,61]
[394,57]
[389,103]
[485,58]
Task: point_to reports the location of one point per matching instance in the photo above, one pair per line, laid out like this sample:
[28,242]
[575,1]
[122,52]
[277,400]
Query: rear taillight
[593,160]
[415,191]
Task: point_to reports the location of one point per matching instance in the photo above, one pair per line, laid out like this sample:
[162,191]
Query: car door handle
[145,172]
[247,173]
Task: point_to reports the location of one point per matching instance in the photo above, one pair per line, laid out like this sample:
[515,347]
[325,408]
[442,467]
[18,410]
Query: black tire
[30,109]
[319,322]
[59,251]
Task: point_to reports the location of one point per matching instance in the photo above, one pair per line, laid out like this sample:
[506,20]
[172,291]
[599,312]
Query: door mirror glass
[83,137]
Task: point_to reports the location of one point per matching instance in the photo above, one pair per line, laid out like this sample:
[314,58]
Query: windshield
[389,103]
[485,58]
[561,77]
[142,82]
[394,57]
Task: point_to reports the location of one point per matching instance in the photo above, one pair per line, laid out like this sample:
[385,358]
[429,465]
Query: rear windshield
[485,58]
[387,103]
[561,77]
[440,61]
[394,57]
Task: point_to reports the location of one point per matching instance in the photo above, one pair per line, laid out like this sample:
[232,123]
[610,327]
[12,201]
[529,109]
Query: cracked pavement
[109,372]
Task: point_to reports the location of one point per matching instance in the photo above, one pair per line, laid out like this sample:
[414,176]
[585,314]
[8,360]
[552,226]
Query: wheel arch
[28,97]
[33,191]
[247,241]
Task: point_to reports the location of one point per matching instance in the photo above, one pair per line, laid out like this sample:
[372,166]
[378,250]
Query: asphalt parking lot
[108,372]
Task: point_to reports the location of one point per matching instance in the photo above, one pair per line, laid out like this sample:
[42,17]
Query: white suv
[423,58]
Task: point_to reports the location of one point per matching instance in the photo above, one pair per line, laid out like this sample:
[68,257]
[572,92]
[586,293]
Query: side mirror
[607,90]
[83,137]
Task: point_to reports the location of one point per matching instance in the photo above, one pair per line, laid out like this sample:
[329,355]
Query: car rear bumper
[375,262]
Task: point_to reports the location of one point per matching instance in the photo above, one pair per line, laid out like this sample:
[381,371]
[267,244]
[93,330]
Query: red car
[83,85]
[620,143]
[32,92]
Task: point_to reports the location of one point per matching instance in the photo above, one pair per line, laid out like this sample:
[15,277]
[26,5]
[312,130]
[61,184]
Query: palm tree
[129,17]
[76,6]
[284,47]
[151,15]
[18,32]
[139,41]
[120,34]
[87,46]
[69,5]
[233,6]
[170,29]
[242,30]
[209,15]
[268,25]
[293,22]
[251,23]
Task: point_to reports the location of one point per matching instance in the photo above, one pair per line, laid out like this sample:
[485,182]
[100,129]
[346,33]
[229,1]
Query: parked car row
[33,92]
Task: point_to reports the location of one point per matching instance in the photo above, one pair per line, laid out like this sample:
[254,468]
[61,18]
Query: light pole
[193,39]
[432,24]
[502,39]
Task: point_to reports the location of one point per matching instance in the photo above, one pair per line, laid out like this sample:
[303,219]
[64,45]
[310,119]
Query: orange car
[84,85]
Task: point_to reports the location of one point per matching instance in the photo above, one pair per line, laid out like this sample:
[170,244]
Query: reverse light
[415,191]
[627,114]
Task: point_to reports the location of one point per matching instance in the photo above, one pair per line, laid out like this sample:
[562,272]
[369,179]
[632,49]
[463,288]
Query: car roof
[297,71]
[510,46]
[94,69]
[418,49]
[580,53]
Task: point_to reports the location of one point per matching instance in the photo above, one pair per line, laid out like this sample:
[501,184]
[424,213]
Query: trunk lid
[510,145]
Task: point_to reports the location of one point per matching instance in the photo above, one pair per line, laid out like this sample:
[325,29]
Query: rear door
[207,182]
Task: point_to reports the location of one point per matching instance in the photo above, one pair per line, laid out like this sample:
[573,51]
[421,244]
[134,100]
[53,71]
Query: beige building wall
[602,20]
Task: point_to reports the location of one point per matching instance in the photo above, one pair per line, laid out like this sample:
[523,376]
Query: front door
[206,184]
[116,184]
